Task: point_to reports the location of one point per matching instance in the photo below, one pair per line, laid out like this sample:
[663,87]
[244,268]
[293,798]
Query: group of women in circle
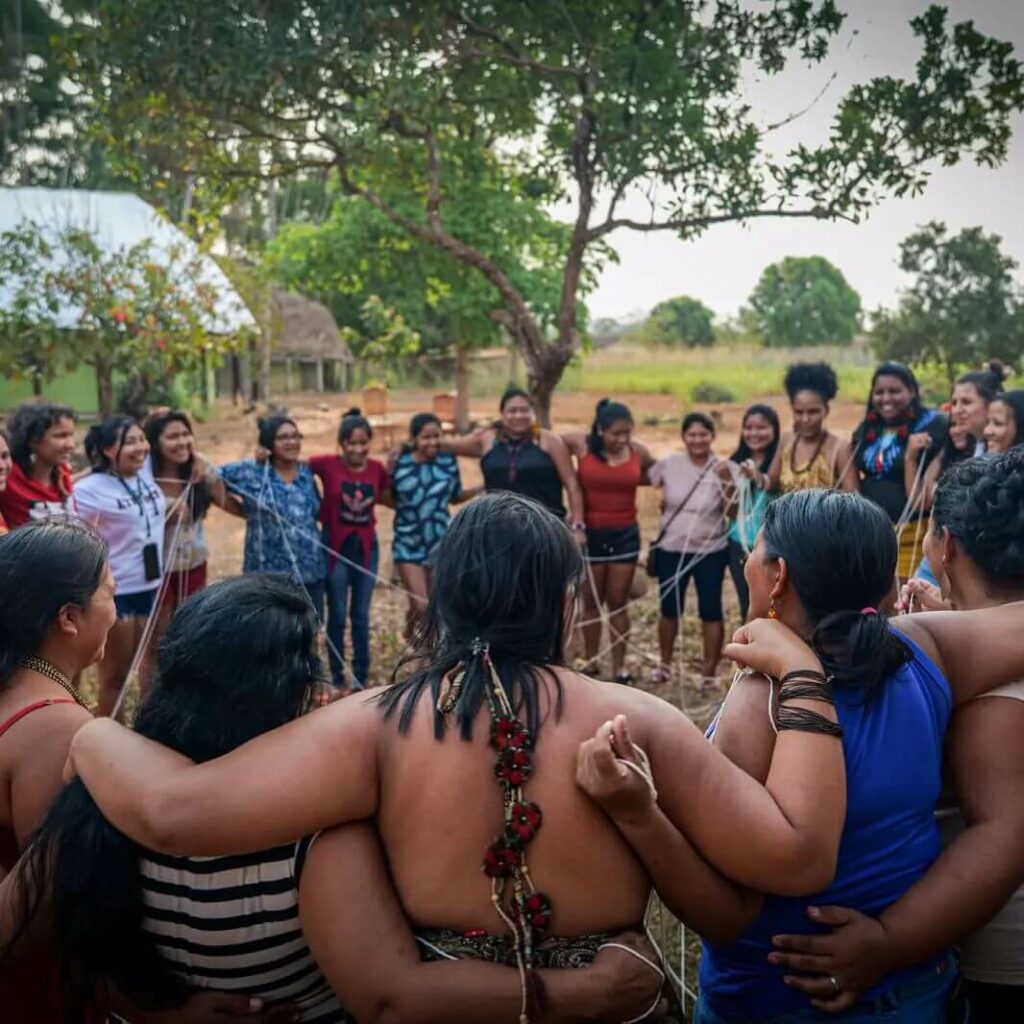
[149,490]
[231,845]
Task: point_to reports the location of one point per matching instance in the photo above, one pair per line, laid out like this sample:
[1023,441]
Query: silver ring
[836,987]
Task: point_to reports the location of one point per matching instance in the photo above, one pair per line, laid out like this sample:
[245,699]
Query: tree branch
[507,52]
[685,224]
[433,183]
[517,317]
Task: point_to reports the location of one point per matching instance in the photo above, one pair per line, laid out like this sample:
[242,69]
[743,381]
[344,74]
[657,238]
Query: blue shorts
[135,606]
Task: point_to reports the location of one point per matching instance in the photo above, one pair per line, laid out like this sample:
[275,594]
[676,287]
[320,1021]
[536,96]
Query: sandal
[661,675]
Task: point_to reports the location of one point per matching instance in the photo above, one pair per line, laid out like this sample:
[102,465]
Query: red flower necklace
[525,911]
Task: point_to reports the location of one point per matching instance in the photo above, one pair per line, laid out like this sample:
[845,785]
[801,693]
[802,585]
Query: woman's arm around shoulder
[575,441]
[647,460]
[791,825]
[310,774]
[953,641]
[472,445]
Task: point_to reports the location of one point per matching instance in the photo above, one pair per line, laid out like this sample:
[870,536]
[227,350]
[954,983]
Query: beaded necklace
[44,668]
[524,910]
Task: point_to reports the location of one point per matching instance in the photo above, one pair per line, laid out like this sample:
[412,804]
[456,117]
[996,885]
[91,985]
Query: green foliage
[680,321]
[591,99]
[804,301]
[358,253]
[963,307]
[383,338]
[137,314]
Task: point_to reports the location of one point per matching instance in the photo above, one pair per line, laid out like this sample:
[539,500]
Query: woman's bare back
[441,806]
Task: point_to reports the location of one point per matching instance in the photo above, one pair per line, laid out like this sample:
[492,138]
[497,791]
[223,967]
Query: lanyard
[140,504]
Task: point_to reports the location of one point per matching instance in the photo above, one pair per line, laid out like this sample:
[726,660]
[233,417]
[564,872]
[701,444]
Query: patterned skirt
[557,953]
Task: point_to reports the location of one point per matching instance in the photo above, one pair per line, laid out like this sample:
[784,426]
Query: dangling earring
[772,613]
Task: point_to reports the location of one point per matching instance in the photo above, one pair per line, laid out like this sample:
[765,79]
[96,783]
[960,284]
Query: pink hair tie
[868,610]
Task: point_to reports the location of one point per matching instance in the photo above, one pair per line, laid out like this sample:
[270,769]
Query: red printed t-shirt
[350,500]
[25,499]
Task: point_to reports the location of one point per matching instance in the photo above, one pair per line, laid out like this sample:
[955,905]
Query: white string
[653,966]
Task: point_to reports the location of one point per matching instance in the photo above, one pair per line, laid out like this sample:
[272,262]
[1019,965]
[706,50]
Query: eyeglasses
[288,437]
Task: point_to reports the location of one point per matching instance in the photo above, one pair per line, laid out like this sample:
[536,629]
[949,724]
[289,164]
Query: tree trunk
[104,386]
[542,378]
[461,388]
[37,381]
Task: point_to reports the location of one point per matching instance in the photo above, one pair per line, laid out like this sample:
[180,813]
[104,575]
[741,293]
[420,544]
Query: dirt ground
[230,434]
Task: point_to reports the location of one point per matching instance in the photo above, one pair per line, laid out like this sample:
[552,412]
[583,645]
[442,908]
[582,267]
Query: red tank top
[29,994]
[609,492]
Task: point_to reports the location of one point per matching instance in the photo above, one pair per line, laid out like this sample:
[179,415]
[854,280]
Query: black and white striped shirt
[232,924]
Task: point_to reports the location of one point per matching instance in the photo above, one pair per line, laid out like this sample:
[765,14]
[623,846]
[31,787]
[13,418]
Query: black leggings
[674,571]
[737,559]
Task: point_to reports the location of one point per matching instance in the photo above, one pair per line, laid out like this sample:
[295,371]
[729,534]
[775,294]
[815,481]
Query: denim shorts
[920,998]
[135,606]
[618,546]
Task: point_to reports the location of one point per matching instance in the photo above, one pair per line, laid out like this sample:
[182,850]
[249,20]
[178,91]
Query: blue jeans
[350,591]
[315,591]
[918,999]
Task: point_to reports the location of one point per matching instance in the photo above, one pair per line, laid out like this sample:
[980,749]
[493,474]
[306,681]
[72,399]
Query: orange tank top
[609,492]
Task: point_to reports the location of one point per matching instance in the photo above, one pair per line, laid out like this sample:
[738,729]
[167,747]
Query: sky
[722,266]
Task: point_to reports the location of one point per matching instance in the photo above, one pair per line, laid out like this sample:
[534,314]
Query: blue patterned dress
[423,491]
[282,520]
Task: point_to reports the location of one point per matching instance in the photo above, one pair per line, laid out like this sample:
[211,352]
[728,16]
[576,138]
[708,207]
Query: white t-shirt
[994,954]
[129,514]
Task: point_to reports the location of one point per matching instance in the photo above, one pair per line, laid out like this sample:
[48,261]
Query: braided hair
[981,503]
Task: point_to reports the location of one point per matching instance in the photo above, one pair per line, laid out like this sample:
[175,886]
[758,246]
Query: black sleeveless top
[523,467]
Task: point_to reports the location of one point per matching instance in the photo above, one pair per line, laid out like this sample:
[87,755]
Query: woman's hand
[625,986]
[621,792]
[852,956]
[261,454]
[917,595]
[748,468]
[769,647]
[916,444]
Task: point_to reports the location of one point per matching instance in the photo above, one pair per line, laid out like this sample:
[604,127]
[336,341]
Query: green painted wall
[77,389]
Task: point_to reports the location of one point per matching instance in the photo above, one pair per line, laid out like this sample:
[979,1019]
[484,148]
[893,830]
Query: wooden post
[288,375]
[320,376]
[461,388]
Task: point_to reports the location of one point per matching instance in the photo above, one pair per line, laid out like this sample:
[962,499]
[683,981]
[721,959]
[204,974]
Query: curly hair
[817,377]
[981,502]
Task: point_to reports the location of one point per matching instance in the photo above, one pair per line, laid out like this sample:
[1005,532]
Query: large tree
[124,310]
[963,306]
[358,253]
[804,300]
[680,321]
[592,102]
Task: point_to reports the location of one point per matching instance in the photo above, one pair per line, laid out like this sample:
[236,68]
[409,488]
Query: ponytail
[606,413]
[840,554]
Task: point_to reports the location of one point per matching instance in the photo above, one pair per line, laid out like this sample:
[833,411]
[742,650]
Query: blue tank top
[892,743]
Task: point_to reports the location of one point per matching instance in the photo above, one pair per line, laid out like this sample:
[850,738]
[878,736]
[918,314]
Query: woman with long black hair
[895,422]
[480,736]
[759,441]
[822,567]
[5,469]
[610,466]
[972,896]
[190,487]
[42,439]
[56,609]
[120,499]
[237,661]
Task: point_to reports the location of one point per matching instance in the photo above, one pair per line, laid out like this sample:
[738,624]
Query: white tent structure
[117,220]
